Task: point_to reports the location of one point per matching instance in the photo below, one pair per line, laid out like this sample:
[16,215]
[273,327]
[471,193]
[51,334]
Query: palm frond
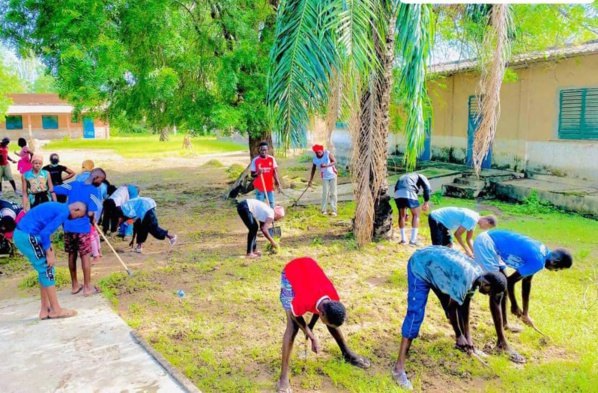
[493,71]
[415,34]
[302,60]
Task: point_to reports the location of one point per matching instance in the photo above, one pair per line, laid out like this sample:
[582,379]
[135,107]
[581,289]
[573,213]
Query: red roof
[36,99]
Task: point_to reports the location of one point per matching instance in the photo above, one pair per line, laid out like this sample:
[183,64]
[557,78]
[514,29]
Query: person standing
[5,170]
[459,219]
[56,170]
[325,162]
[305,288]
[26,155]
[32,238]
[406,191]
[37,185]
[264,166]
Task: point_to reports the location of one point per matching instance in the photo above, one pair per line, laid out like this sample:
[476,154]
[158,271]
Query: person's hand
[259,171]
[315,346]
[463,345]
[527,320]
[50,261]
[323,165]
[273,244]
[469,254]
[515,310]
[278,188]
[426,206]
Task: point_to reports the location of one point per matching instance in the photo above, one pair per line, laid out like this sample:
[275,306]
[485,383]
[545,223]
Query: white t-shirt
[120,196]
[260,210]
[328,172]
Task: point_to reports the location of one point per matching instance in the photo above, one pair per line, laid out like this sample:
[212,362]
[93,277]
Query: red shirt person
[306,288]
[263,170]
[5,171]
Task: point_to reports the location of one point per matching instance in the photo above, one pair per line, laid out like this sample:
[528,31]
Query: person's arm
[63,189]
[311,177]
[51,188]
[276,181]
[315,347]
[52,227]
[470,242]
[459,236]
[25,197]
[526,289]
[331,159]
[425,184]
[511,281]
[69,174]
[50,257]
[264,228]
[463,313]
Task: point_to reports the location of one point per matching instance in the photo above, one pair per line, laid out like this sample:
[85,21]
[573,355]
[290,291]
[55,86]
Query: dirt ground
[225,334]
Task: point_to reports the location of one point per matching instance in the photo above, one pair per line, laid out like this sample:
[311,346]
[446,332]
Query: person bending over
[405,195]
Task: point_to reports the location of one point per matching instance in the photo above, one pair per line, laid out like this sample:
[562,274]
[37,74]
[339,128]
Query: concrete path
[91,352]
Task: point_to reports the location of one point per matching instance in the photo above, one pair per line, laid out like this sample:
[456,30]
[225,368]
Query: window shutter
[578,114]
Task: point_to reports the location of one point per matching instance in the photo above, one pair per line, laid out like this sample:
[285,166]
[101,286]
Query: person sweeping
[258,215]
[306,288]
[142,211]
[32,238]
[325,162]
[454,278]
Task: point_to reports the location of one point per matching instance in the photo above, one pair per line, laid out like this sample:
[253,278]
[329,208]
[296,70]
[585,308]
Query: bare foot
[43,314]
[63,313]
[93,291]
[97,259]
[283,387]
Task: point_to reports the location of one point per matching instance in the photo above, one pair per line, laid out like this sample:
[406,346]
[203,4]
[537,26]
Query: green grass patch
[31,280]
[149,146]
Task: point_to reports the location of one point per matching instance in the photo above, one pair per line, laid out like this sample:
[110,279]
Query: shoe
[333,214]
[415,243]
[138,250]
[173,241]
[324,213]
[402,380]
[403,242]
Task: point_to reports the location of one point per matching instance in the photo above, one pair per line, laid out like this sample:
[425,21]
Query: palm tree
[355,44]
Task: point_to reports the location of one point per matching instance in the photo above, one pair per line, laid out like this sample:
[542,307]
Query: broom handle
[112,248]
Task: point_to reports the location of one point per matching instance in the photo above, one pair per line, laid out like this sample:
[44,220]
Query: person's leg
[260,196]
[45,307]
[154,227]
[56,311]
[71,248]
[325,186]
[251,225]
[333,196]
[435,234]
[271,199]
[116,213]
[401,220]
[287,347]
[416,211]
[14,185]
[348,355]
[84,247]
[142,231]
[107,217]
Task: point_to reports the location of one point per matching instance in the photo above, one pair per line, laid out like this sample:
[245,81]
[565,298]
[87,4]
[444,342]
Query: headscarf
[279,211]
[37,157]
[317,148]
[87,165]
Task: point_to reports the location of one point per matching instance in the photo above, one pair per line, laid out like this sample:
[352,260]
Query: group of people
[452,275]
[80,207]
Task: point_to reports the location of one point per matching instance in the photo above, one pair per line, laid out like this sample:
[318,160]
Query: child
[87,166]
[37,185]
[96,250]
[5,171]
[143,212]
[24,163]
[55,170]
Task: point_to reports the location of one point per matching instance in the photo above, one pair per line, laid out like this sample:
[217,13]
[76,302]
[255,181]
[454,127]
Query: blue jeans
[417,298]
[261,196]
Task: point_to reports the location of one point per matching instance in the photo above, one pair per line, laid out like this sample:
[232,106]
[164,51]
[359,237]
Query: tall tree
[9,83]
[356,39]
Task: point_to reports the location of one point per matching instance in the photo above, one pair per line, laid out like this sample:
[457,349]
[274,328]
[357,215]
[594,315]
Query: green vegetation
[62,277]
[148,146]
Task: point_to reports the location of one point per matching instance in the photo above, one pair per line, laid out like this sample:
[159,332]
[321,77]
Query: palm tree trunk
[164,134]
[373,214]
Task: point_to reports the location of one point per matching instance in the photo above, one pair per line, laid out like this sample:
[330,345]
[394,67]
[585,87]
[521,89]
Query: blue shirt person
[32,238]
[447,219]
[143,211]
[454,278]
[497,249]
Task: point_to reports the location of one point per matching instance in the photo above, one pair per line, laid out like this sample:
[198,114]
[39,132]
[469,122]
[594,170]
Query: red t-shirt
[310,285]
[268,164]
[3,155]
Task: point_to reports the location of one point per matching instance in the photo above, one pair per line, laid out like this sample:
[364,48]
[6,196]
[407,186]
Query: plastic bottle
[180,293]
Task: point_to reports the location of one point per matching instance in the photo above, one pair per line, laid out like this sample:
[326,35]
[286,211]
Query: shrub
[214,163]
[305,157]
[234,171]
[62,277]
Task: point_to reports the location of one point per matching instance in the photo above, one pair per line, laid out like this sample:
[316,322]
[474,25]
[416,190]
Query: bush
[234,171]
[305,157]
[214,163]
[62,277]
[436,198]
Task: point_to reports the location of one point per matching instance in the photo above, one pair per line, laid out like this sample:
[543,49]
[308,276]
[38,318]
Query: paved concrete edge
[178,376]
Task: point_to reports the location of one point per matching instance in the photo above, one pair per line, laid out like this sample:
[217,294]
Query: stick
[297,201]
[538,330]
[476,356]
[129,272]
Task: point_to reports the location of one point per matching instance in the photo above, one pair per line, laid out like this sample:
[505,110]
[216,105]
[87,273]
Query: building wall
[65,128]
[527,133]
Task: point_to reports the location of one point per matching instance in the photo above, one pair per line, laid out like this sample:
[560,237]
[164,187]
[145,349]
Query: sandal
[359,361]
[402,380]
[96,290]
[515,357]
[77,291]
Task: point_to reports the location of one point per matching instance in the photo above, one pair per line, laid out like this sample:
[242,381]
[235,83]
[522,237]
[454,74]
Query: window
[578,114]
[14,122]
[50,122]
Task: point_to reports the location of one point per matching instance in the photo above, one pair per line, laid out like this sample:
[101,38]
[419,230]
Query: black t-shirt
[55,173]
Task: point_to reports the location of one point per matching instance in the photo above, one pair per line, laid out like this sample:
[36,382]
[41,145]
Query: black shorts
[441,235]
[404,203]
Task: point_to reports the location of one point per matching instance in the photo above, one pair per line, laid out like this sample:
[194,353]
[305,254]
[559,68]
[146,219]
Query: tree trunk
[373,213]
[164,134]
[254,144]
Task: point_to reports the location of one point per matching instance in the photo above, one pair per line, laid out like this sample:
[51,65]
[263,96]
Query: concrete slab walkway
[91,352]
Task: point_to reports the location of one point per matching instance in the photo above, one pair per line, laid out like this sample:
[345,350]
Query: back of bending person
[495,250]
[305,288]
[405,195]
[454,279]
[443,221]
[258,215]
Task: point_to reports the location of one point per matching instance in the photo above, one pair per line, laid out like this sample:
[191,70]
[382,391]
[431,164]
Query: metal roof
[518,61]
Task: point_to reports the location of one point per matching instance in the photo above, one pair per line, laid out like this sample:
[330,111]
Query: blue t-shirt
[137,208]
[448,270]
[519,252]
[80,192]
[454,217]
[43,220]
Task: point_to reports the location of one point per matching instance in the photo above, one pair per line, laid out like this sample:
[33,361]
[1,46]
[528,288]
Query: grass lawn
[149,146]
[226,334]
